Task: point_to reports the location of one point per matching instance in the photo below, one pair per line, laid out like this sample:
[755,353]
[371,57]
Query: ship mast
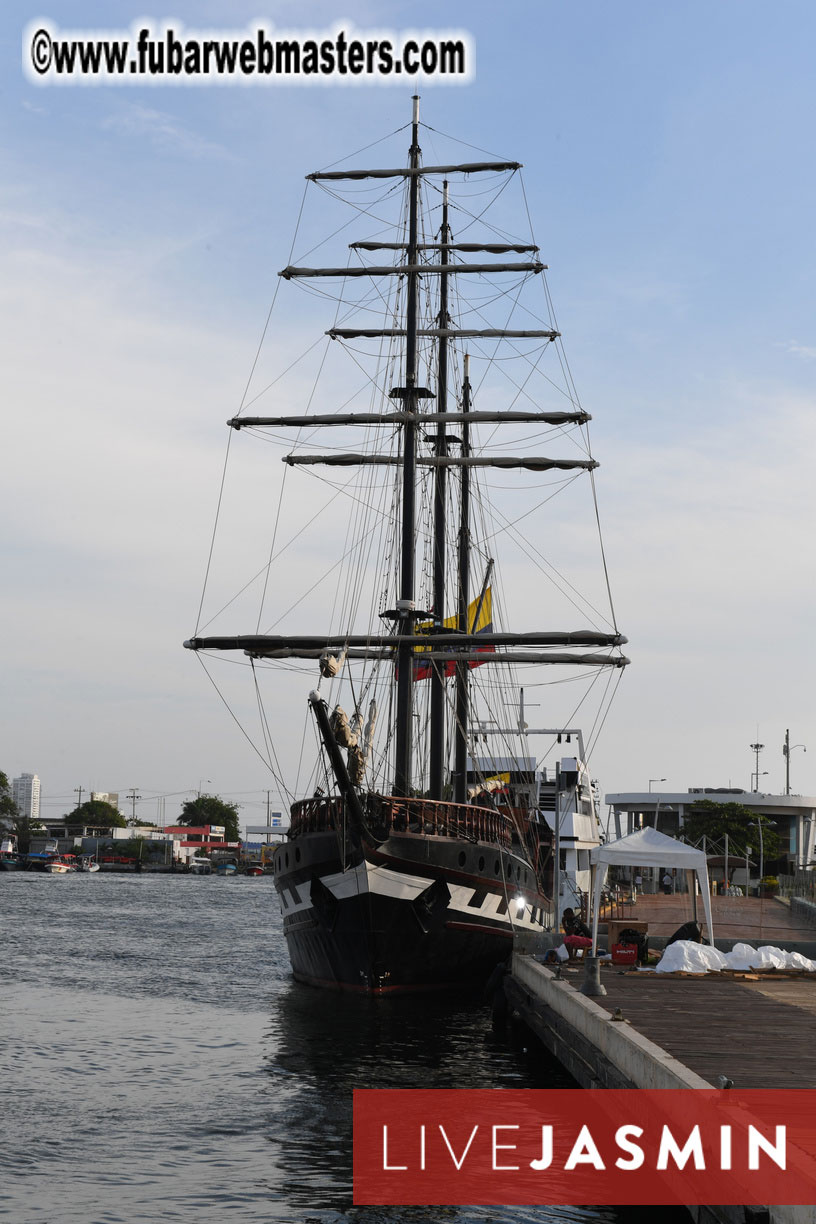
[438,676]
[460,734]
[405,603]
[439,646]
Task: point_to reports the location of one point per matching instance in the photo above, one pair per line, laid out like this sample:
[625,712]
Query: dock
[652,1030]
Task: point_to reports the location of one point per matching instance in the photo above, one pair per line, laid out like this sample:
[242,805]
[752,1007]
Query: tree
[713,820]
[8,808]
[212,810]
[97,814]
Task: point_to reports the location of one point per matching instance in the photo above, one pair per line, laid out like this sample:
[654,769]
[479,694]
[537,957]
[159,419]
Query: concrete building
[201,840]
[25,791]
[793,816]
[111,797]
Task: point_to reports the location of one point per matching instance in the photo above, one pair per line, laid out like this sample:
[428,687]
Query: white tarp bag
[741,957]
[685,956]
[770,958]
[797,961]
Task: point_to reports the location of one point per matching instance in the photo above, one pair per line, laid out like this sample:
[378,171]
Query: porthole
[481,862]
[462,858]
[297,854]
[496,867]
[286,860]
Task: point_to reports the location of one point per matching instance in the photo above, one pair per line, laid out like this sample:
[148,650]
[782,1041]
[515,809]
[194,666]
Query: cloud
[808,351]
[163,131]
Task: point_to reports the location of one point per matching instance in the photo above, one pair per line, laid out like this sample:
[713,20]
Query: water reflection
[328,1045]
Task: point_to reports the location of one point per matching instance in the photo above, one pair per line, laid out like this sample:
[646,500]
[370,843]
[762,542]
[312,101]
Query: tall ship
[427,430]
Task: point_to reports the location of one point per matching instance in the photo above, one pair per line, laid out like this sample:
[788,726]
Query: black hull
[402,917]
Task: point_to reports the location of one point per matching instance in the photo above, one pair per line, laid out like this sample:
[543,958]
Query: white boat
[59,866]
[87,863]
[200,866]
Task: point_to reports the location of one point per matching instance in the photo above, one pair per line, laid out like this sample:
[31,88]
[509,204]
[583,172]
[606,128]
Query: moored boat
[87,863]
[60,864]
[415,859]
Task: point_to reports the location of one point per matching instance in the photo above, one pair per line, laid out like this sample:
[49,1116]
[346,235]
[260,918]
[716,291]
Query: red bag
[624,954]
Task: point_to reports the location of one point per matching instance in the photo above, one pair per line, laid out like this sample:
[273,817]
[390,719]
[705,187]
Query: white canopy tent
[648,848]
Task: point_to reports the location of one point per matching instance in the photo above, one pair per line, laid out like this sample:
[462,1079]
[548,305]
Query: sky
[669,165]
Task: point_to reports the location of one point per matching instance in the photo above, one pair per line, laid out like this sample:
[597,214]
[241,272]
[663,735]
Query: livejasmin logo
[585,1151]
[600,1146]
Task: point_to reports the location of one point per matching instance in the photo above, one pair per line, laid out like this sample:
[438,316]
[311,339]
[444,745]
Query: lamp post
[758,824]
[651,780]
[787,749]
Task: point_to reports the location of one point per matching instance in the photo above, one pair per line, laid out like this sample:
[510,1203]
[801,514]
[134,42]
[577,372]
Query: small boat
[200,866]
[60,864]
[226,869]
[253,869]
[9,858]
[87,862]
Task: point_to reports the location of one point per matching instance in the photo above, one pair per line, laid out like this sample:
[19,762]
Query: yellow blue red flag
[480,620]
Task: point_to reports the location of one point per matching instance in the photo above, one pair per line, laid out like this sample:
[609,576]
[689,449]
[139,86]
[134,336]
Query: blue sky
[670,172]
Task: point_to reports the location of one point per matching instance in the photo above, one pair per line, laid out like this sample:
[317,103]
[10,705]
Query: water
[160,1064]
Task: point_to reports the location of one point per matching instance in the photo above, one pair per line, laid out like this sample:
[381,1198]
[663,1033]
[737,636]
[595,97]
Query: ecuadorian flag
[483,623]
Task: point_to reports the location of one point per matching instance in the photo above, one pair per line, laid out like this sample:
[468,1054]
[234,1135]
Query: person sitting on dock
[576,933]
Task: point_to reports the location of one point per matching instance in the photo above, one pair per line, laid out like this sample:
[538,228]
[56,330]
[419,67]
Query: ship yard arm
[430,647]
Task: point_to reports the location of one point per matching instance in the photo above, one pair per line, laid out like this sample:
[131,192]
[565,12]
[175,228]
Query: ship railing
[418,816]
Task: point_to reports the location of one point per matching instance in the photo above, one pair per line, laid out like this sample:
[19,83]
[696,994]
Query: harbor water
[159,1064]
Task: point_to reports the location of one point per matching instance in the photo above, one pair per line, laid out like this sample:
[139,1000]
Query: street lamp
[787,749]
[651,780]
[758,824]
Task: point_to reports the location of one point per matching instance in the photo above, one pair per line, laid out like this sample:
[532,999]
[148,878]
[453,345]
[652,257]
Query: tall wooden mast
[438,686]
[460,734]
[405,604]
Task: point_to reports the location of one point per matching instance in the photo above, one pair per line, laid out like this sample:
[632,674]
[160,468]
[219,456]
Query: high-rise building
[25,791]
[111,797]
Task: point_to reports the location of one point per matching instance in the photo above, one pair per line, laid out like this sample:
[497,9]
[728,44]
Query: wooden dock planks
[761,1034]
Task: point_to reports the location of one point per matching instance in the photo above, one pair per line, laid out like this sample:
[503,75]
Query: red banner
[584,1147]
